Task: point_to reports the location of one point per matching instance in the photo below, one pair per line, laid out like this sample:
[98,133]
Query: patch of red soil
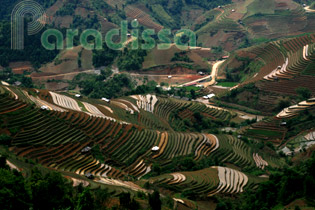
[20,67]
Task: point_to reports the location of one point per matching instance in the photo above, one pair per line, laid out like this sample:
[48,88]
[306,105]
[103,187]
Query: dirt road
[307,9]
[212,76]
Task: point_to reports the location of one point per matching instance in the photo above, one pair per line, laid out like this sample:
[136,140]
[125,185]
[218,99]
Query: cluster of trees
[216,49]
[104,57]
[5,139]
[8,5]
[99,86]
[248,67]
[197,123]
[33,50]
[6,8]
[181,56]
[283,187]
[204,123]
[7,75]
[68,9]
[303,93]
[304,1]
[131,59]
[305,120]
[43,189]
[85,23]
[231,96]
[282,104]
[106,85]
[148,87]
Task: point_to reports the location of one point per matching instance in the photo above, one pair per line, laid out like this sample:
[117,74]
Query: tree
[104,57]
[156,169]
[101,198]
[304,93]
[127,203]
[3,162]
[297,208]
[222,206]
[193,93]
[85,200]
[5,139]
[282,104]
[154,201]
[50,191]
[14,192]
[131,59]
[124,199]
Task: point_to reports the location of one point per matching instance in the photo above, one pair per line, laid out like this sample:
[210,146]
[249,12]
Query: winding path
[307,9]
[212,76]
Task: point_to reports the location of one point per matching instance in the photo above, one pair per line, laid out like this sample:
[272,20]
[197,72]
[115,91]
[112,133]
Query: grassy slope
[259,7]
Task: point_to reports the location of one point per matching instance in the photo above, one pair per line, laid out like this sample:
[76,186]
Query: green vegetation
[196,122]
[263,132]
[33,50]
[127,203]
[8,5]
[191,136]
[244,109]
[227,84]
[95,87]
[104,57]
[5,139]
[85,23]
[162,16]
[310,69]
[7,75]
[131,59]
[189,88]
[233,96]
[304,1]
[208,4]
[68,9]
[304,93]
[283,187]
[181,56]
[282,104]
[45,190]
[208,19]
[154,201]
[305,120]
[105,85]
[248,68]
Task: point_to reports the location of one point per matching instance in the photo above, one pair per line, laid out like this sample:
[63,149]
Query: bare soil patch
[21,67]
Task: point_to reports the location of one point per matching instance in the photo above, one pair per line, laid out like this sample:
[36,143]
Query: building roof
[155,148]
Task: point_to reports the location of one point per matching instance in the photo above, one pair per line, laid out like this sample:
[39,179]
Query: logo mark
[17,22]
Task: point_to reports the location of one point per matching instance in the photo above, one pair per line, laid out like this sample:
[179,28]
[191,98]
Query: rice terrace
[178,104]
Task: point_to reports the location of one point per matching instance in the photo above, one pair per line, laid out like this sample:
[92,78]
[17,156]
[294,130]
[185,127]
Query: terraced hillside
[147,111]
[206,182]
[296,109]
[273,72]
[283,59]
[79,137]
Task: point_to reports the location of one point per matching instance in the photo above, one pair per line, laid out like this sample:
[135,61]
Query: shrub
[304,93]
[154,201]
[14,131]
[5,139]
